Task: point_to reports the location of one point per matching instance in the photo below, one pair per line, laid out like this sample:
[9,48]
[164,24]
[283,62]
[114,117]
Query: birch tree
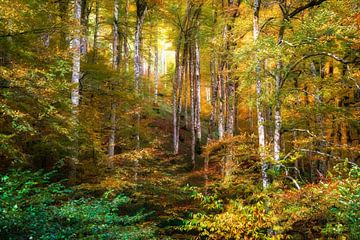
[75,79]
[259,106]
[115,65]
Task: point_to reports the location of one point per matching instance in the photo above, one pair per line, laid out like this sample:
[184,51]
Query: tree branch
[298,10]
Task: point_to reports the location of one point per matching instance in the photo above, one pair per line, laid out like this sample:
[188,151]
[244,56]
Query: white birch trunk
[76,56]
[192,107]
[259,106]
[198,93]
[221,119]
[156,67]
[75,96]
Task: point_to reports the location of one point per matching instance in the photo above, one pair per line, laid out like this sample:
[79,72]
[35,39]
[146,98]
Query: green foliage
[345,215]
[33,207]
[236,220]
[328,210]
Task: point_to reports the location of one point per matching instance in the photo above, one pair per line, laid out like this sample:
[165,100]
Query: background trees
[241,92]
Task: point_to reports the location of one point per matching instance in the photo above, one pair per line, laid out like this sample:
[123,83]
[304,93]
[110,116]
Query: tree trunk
[277,113]
[138,68]
[149,61]
[319,118]
[197,93]
[96,31]
[214,96]
[85,27]
[176,80]
[76,56]
[221,119]
[141,8]
[126,34]
[186,86]
[75,96]
[259,106]
[115,44]
[111,150]
[156,66]
[277,109]
[115,65]
[192,106]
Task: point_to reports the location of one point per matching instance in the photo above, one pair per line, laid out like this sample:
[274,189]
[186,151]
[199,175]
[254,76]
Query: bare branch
[298,10]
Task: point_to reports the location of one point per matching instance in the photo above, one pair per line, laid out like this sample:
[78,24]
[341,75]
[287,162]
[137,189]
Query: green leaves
[31,206]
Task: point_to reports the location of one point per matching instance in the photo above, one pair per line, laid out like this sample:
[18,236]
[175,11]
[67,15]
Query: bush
[344,216]
[33,208]
[329,210]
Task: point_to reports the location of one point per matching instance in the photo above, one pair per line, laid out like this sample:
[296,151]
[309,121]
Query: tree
[259,106]
[75,96]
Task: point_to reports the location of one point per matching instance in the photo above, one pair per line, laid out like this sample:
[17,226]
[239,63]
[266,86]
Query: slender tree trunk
[259,106]
[141,8]
[277,109]
[230,117]
[126,34]
[96,31]
[76,56]
[176,80]
[75,96]
[138,68]
[319,118]
[115,65]
[231,85]
[186,85]
[85,25]
[115,44]
[277,114]
[197,93]
[192,106]
[111,149]
[156,66]
[214,96]
[149,62]
[221,119]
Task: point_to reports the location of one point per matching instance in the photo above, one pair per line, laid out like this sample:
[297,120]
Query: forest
[179,119]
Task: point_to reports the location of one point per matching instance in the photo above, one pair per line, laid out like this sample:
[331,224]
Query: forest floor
[154,178]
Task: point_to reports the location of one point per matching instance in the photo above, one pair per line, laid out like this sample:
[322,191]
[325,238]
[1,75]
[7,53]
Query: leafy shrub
[329,210]
[344,216]
[235,220]
[33,208]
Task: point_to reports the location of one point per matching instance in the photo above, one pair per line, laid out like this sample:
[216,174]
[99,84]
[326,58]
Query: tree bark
[156,66]
[85,27]
[192,106]
[126,34]
[115,65]
[96,31]
[115,44]
[221,119]
[197,92]
[141,8]
[75,96]
[277,113]
[259,106]
[76,55]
